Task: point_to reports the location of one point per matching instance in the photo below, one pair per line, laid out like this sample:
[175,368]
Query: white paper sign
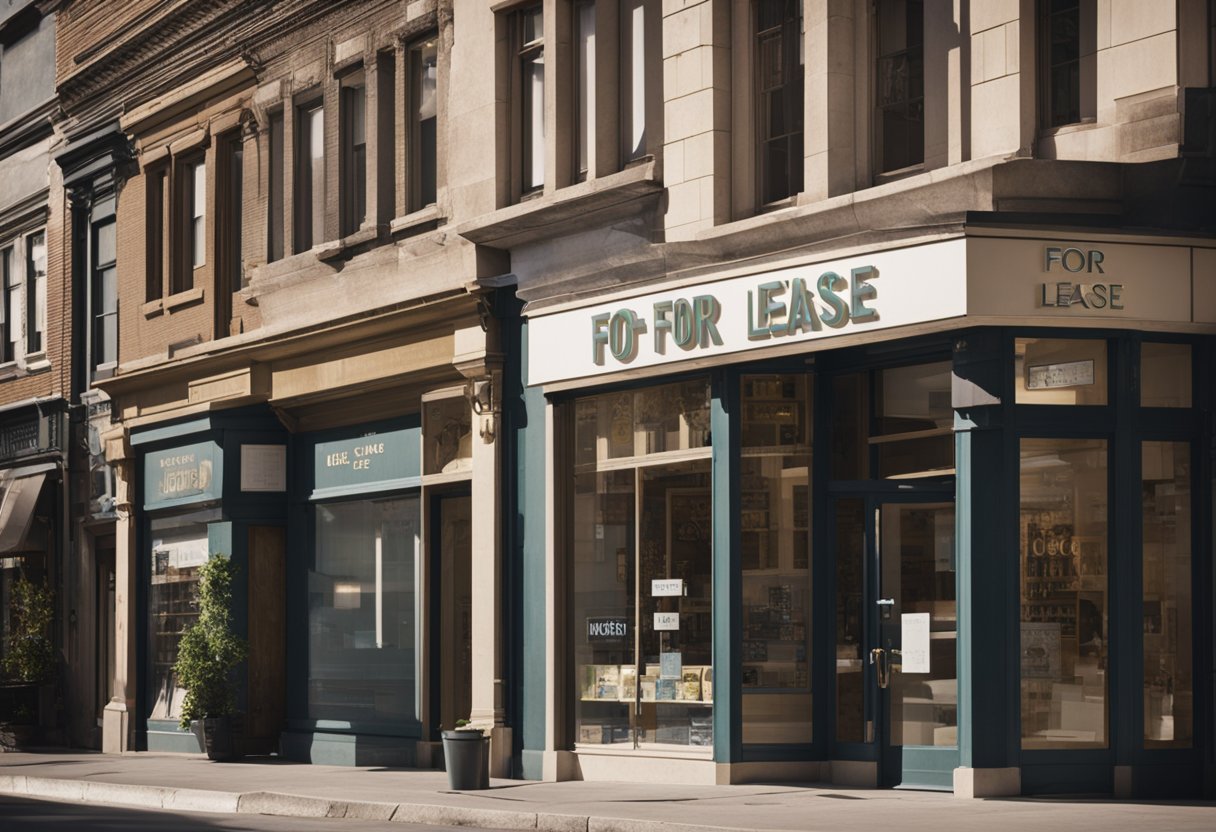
[263,467]
[667,587]
[914,633]
[667,621]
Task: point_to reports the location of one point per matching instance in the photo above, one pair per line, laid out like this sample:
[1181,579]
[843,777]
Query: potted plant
[466,757]
[208,653]
[29,662]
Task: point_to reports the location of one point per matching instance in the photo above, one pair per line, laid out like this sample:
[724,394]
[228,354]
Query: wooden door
[267,637]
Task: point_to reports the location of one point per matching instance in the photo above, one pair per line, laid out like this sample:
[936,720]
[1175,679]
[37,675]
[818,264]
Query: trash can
[466,756]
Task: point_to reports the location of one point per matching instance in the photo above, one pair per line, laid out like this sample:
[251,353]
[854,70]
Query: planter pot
[222,738]
[466,756]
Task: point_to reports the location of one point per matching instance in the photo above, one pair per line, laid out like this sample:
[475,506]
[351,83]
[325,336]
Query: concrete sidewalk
[271,786]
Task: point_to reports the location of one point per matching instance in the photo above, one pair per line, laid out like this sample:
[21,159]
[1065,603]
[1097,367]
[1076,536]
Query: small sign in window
[1069,374]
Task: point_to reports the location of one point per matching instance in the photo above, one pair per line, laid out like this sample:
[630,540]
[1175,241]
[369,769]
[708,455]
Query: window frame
[1044,34]
[35,310]
[790,32]
[101,369]
[8,343]
[305,235]
[422,186]
[526,54]
[881,171]
[352,155]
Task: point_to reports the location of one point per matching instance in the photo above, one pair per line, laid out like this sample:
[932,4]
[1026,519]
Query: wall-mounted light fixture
[483,403]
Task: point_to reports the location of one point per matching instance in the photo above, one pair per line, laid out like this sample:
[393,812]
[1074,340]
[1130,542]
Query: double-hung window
[354,154]
[9,304]
[104,300]
[23,281]
[310,176]
[35,293]
[275,208]
[530,50]
[584,88]
[633,39]
[1060,24]
[900,94]
[423,122]
[779,100]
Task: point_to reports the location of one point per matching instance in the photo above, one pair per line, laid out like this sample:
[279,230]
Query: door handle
[878,657]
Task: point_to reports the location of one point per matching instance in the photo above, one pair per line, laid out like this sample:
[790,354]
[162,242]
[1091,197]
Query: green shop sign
[379,460]
[187,474]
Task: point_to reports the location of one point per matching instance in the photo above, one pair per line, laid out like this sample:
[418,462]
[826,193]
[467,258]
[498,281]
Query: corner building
[307,370]
[867,354]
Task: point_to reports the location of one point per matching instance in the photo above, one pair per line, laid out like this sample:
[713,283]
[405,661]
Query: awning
[19,490]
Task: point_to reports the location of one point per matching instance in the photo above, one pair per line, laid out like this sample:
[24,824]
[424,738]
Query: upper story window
[229,196]
[423,112]
[900,95]
[35,293]
[584,87]
[1060,26]
[779,98]
[606,111]
[353,171]
[23,319]
[103,301]
[310,176]
[530,50]
[175,201]
[274,204]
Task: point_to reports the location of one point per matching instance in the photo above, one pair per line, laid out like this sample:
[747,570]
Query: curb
[300,806]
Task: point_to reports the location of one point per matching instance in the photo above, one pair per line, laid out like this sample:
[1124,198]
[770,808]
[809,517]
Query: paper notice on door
[914,633]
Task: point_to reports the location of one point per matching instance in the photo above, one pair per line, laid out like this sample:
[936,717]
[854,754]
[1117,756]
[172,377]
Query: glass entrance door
[915,658]
[896,636]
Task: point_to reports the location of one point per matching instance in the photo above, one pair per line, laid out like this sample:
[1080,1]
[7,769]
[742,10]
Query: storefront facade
[931,516]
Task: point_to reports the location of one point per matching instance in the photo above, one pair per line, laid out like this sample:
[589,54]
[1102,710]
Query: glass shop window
[775,537]
[641,569]
[1064,587]
[1060,371]
[179,547]
[1169,686]
[1165,375]
[893,423]
[361,612]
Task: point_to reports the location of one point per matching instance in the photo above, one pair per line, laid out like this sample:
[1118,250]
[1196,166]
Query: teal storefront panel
[183,475]
[373,461]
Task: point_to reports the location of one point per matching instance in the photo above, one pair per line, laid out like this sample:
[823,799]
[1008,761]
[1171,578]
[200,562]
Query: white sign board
[914,633]
[666,587]
[667,621]
[263,467]
[874,291]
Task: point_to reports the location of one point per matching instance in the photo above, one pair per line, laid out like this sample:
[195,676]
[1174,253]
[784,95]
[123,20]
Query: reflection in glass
[918,567]
[1059,371]
[914,422]
[1168,681]
[179,547]
[449,436]
[361,608]
[850,668]
[1165,375]
[643,662]
[774,483]
[1064,584]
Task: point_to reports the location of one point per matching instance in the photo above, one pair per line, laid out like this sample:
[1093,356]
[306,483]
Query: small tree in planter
[29,661]
[208,653]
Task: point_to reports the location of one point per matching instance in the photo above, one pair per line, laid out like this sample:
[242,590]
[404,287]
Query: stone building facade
[680,390]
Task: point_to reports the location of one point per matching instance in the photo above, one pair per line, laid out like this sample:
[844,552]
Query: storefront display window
[1064,587]
[895,423]
[179,547]
[361,612]
[642,567]
[1060,371]
[1168,680]
[1165,375]
[775,539]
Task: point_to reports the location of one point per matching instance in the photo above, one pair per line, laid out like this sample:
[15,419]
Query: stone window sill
[565,210]
[186,298]
[416,219]
[152,308]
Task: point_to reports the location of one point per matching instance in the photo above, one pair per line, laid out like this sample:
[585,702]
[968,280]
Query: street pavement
[267,786]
